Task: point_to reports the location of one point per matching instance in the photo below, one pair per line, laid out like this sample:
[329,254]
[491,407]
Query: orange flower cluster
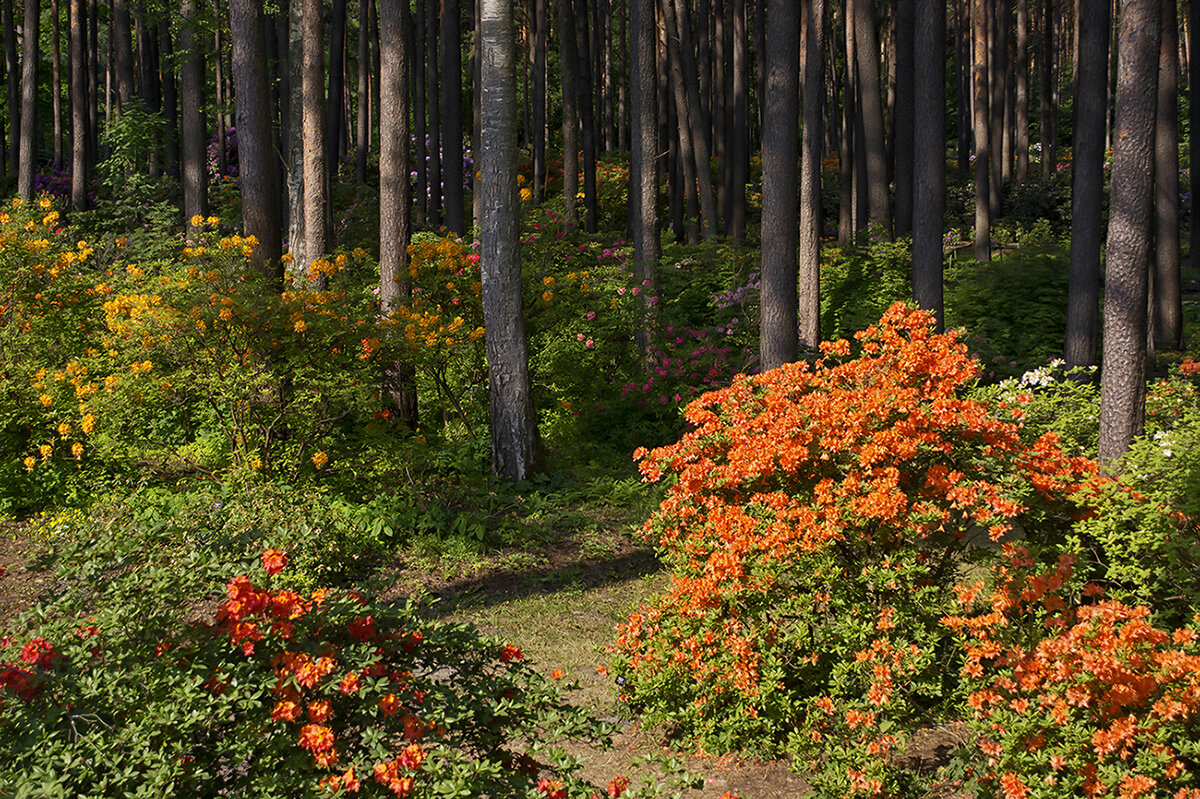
[816,520]
[844,455]
[1115,699]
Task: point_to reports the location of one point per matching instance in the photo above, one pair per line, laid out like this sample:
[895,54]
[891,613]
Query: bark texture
[1123,370]
[929,162]
[1087,191]
[778,342]
[256,156]
[516,445]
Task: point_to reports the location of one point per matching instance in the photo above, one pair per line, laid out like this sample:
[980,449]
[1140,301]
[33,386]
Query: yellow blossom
[30,462]
[213,221]
[64,429]
[77,450]
[47,400]
[45,203]
[319,459]
[45,449]
[548,280]
[547,296]
[300,326]
[256,463]
[89,423]
[526,195]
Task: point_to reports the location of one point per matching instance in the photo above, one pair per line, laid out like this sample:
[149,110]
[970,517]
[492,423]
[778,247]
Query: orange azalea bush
[817,519]
[272,693]
[1070,699]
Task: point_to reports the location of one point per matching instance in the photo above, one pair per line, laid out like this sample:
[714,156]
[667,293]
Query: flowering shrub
[814,526]
[272,693]
[1075,700]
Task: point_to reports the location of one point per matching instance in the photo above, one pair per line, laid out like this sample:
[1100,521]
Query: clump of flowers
[815,522]
[1070,699]
[324,692]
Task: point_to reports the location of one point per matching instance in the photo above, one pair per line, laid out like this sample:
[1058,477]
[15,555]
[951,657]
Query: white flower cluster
[1043,376]
[1163,439]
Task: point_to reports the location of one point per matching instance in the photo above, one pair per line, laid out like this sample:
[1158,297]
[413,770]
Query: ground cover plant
[336,692]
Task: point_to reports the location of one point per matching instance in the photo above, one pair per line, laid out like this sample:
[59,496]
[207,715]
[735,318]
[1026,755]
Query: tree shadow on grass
[556,570]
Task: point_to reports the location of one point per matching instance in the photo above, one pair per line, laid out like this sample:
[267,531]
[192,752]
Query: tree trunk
[93,82]
[903,135]
[122,54]
[195,139]
[809,307]
[539,100]
[222,98]
[170,101]
[1021,73]
[965,75]
[395,227]
[1194,120]
[846,144]
[997,55]
[516,445]
[315,129]
[643,161]
[1123,371]
[867,55]
[452,118]
[362,138]
[56,85]
[587,115]
[701,128]
[12,72]
[568,61]
[1008,89]
[256,165]
[1087,191]
[778,344]
[29,60]
[420,131]
[1048,108]
[1168,304]
[738,124]
[79,164]
[433,133]
[983,169]
[294,134]
[686,151]
[148,86]
[929,167]
[334,118]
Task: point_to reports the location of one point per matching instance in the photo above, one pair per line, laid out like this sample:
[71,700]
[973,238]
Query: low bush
[815,526]
[265,691]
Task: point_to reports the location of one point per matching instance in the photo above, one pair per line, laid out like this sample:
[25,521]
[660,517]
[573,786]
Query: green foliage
[271,693]
[1143,527]
[1065,402]
[1014,308]
[857,286]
